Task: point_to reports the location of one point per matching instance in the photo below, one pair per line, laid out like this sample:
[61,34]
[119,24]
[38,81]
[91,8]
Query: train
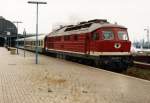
[95,41]
[29,43]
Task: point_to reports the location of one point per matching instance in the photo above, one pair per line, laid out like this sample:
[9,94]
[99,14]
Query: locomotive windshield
[108,35]
[122,35]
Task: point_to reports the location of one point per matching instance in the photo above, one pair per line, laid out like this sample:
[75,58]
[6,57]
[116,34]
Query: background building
[8,32]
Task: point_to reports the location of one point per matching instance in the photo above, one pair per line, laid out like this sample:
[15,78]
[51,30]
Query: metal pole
[17,37]
[24,32]
[10,41]
[37,35]
[148,38]
[148,42]
[5,41]
[17,32]
[36,49]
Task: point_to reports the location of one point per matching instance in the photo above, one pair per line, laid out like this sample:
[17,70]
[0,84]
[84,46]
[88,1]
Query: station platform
[58,81]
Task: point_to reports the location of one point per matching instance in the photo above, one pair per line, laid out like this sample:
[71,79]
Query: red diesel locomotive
[98,41]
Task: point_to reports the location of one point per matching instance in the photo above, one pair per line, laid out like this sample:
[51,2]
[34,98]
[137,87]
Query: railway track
[142,65]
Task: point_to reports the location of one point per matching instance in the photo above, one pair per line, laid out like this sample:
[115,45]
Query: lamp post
[9,41]
[24,33]
[147,30]
[37,4]
[9,34]
[17,22]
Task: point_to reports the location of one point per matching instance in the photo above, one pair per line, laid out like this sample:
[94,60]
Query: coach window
[39,43]
[108,35]
[95,36]
[34,43]
[42,43]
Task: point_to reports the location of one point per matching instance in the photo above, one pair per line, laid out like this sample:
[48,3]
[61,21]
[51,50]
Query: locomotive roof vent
[70,25]
[77,27]
[85,24]
[98,21]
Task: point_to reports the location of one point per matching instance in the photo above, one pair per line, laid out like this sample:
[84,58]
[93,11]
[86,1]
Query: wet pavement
[58,81]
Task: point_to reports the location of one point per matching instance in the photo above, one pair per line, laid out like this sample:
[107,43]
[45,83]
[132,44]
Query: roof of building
[7,27]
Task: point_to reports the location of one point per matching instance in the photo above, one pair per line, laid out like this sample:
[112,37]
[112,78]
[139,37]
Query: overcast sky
[134,14]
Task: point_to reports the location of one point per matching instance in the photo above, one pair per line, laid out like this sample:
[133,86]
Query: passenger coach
[29,43]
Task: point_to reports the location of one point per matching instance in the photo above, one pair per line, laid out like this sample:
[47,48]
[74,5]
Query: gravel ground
[138,72]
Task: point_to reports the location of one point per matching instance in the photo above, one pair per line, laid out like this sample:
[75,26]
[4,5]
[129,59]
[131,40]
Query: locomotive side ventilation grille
[86,24]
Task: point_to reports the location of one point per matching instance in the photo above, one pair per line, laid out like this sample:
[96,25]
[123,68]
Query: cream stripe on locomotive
[95,53]
[66,51]
[110,53]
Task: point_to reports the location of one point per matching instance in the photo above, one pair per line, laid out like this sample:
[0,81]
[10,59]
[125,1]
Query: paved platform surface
[59,81]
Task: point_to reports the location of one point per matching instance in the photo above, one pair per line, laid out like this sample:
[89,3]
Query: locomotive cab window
[108,35]
[95,36]
[122,35]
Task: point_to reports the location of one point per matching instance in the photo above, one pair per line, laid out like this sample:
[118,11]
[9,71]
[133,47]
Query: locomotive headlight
[117,45]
